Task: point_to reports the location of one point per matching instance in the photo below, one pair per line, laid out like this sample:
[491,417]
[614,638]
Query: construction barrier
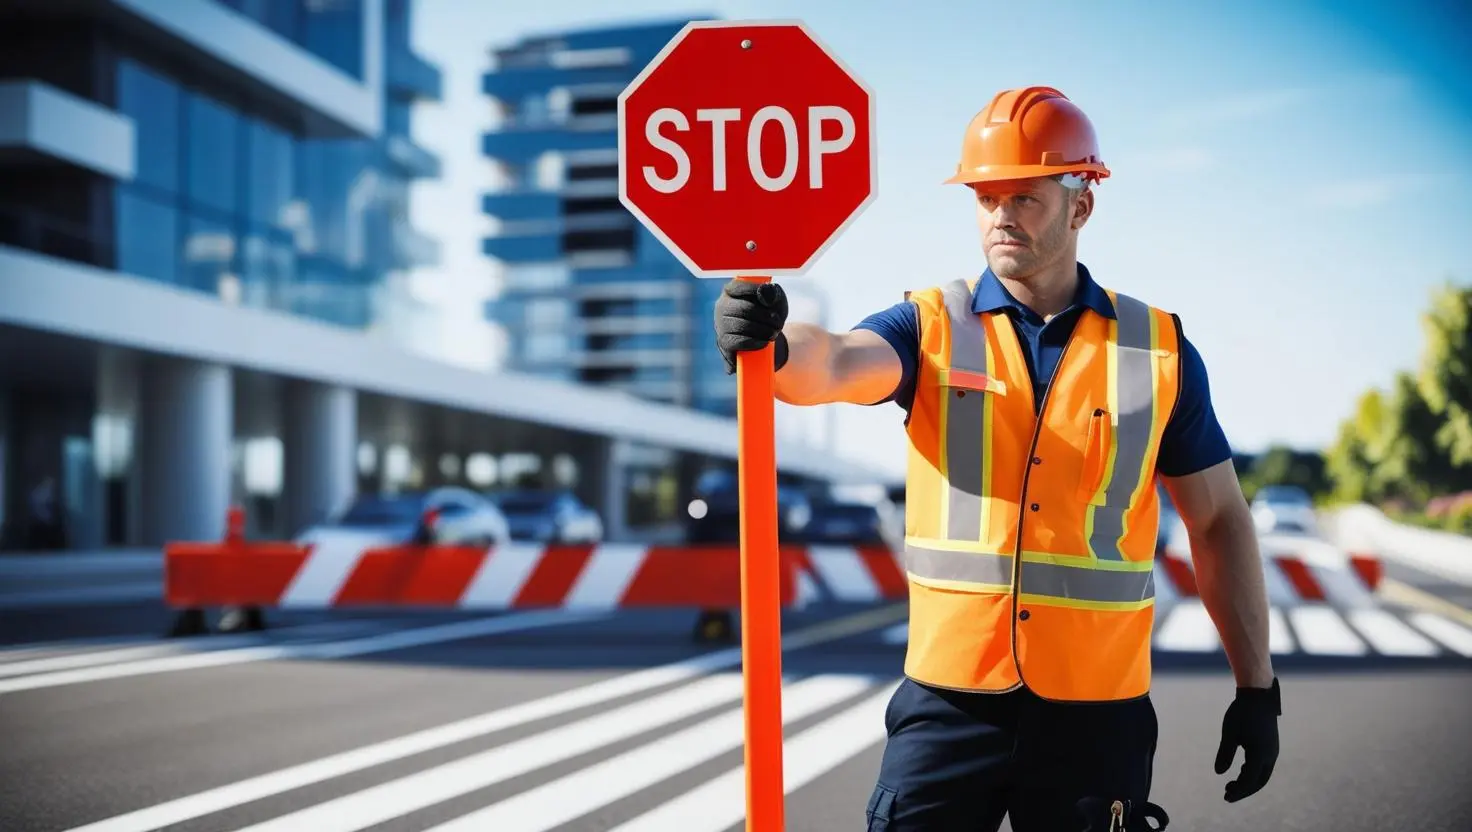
[251,576]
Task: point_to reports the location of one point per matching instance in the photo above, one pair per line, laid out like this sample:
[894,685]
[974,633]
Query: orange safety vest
[1030,539]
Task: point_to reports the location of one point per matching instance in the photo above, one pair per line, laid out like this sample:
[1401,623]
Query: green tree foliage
[1413,443]
[1280,465]
[1445,379]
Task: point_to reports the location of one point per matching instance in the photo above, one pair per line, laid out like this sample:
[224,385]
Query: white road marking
[329,650]
[1188,628]
[1280,640]
[606,576]
[337,765]
[1444,630]
[1389,635]
[396,798]
[560,801]
[720,803]
[1322,632]
[844,572]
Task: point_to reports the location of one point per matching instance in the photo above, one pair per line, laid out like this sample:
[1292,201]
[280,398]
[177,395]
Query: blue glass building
[237,191]
[587,293]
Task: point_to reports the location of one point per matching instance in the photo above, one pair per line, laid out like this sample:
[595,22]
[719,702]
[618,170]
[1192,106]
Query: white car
[459,516]
[1284,509]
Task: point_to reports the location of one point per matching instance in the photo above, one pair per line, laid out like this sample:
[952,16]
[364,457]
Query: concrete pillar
[615,503]
[186,428]
[321,449]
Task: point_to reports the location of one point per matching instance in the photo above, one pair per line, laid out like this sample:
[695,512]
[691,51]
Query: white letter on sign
[682,161]
[817,147]
[754,148]
[718,118]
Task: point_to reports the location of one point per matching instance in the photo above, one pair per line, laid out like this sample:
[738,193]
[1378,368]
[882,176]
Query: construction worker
[1040,409]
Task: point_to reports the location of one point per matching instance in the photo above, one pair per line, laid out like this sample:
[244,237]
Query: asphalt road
[516,722]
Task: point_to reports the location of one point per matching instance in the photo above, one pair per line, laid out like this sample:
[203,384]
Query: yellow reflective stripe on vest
[1046,577]
[965,421]
[1132,394]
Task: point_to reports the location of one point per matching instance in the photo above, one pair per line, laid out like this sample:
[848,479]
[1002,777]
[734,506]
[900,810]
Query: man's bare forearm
[1229,574]
[857,367]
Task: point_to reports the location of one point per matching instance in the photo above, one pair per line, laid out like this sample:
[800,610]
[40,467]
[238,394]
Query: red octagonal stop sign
[746,147]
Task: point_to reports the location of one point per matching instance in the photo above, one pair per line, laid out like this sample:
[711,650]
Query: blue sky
[1286,179]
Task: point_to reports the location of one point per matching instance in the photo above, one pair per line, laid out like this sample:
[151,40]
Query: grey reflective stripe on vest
[965,418]
[1136,396]
[1077,583]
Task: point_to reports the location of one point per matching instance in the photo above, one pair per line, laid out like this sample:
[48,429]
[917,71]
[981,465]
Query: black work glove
[1251,722]
[748,317]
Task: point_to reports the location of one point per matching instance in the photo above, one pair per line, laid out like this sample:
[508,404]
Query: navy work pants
[963,761]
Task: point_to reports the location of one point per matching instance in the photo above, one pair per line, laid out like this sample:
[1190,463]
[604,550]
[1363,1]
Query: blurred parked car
[548,516]
[846,522]
[713,514]
[1283,509]
[444,515]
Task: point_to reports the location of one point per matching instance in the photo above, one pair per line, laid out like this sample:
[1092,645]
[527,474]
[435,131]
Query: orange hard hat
[1022,133]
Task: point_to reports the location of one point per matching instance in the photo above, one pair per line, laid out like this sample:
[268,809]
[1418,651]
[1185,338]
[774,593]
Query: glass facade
[330,29]
[566,237]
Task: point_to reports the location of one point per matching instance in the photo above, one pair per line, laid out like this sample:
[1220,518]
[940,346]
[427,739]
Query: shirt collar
[991,295]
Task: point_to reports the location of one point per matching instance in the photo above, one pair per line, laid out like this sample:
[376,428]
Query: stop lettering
[746,148]
[718,118]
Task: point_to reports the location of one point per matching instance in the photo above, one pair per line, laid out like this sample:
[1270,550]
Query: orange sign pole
[761,576]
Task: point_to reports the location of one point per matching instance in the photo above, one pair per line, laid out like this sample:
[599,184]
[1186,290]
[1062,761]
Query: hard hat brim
[1009,173]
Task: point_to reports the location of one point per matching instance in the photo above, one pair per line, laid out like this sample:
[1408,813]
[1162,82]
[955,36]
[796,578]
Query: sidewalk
[1364,528]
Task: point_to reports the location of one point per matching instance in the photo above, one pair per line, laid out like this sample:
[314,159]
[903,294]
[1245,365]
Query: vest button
[1034,506]
[1024,615]
[1037,460]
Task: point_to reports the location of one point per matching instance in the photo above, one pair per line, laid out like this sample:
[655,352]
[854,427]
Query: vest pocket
[1098,448]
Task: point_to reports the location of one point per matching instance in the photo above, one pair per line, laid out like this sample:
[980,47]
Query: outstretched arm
[857,367]
[814,366]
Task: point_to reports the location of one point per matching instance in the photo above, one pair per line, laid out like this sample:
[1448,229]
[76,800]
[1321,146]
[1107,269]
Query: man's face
[1027,224]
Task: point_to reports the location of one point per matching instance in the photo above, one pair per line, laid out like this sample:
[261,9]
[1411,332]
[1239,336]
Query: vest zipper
[1022,505]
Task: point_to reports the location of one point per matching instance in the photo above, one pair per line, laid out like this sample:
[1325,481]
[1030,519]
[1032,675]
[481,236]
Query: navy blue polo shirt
[1193,440]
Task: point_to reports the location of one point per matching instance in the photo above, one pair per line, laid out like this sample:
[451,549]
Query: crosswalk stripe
[1322,632]
[426,788]
[1449,633]
[1188,628]
[1280,640]
[563,800]
[1389,635]
[329,649]
[720,803]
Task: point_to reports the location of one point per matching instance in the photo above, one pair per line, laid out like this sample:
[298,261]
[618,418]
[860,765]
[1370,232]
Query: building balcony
[591,359]
[42,124]
[529,203]
[532,71]
[413,78]
[413,248]
[523,249]
[521,141]
[411,159]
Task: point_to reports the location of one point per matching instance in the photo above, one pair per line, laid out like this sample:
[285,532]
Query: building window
[152,102]
[147,235]
[547,313]
[333,30]
[269,174]
[545,346]
[214,136]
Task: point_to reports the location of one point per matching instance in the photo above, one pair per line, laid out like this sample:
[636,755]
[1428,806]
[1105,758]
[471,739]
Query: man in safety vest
[1040,410]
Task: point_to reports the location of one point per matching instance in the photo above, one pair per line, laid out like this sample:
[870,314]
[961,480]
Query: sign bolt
[746,44]
[751,245]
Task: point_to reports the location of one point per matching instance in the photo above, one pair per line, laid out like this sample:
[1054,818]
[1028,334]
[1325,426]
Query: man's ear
[1083,209]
